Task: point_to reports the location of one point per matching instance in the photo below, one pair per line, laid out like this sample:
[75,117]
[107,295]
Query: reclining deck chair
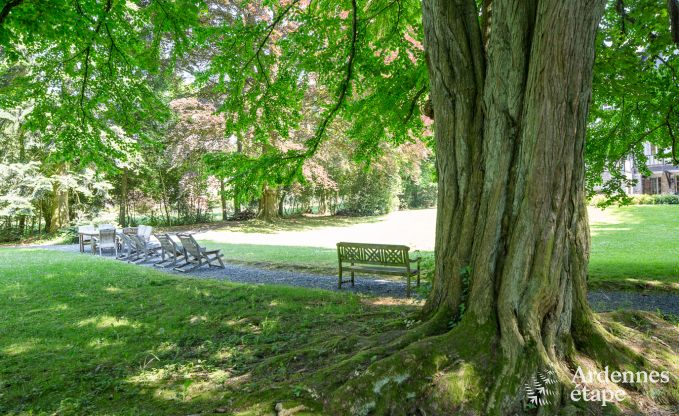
[145,251]
[168,248]
[196,255]
[128,249]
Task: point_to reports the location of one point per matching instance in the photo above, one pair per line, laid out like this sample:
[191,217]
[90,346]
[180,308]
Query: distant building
[664,178]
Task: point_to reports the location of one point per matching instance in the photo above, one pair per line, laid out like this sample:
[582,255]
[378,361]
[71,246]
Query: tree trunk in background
[222,198]
[59,205]
[323,204]
[22,159]
[122,208]
[236,199]
[268,204]
[281,203]
[510,113]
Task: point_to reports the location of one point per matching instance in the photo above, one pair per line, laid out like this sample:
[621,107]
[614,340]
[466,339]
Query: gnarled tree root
[462,371]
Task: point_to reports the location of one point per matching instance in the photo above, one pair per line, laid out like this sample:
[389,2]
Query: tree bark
[236,198]
[122,209]
[222,198]
[60,208]
[510,117]
[268,204]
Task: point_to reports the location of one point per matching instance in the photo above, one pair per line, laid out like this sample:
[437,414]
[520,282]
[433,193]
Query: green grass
[81,335]
[307,259]
[636,246]
[632,247]
[313,259]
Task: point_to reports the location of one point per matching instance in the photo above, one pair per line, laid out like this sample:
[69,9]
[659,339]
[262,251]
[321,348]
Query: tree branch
[667,64]
[8,8]
[344,87]
[673,9]
[86,63]
[270,28]
[413,104]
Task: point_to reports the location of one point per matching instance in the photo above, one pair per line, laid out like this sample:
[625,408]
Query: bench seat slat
[397,271]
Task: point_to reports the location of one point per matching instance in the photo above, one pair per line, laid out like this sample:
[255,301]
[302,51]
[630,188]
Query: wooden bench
[384,259]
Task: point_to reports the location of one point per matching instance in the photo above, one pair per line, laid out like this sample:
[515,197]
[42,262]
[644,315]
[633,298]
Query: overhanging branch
[8,8]
[344,87]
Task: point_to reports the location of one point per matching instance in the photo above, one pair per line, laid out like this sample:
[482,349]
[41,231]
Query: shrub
[373,193]
[660,199]
[666,199]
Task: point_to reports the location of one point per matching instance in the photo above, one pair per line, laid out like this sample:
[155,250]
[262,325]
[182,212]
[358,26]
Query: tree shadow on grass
[82,335]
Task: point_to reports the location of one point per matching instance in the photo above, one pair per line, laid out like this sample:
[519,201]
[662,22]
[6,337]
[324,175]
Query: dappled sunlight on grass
[23,347]
[106,321]
[120,339]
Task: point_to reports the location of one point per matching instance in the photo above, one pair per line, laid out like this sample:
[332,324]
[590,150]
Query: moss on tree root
[460,371]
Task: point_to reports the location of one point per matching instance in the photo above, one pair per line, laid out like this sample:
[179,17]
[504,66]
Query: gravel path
[253,275]
[604,301]
[600,300]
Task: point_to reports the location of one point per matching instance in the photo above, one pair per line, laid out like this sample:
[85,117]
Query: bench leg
[418,277]
[352,279]
[339,282]
[408,287]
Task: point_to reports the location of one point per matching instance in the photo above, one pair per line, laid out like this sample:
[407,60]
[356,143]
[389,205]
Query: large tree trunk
[510,110]
[510,96]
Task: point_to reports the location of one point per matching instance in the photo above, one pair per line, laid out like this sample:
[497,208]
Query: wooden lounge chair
[128,249]
[145,250]
[168,248]
[197,256]
[144,232]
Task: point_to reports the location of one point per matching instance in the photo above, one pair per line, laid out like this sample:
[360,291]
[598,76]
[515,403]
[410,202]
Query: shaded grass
[81,335]
[85,335]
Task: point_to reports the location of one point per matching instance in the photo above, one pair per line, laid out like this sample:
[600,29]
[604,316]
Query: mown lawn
[81,335]
[635,246]
[632,247]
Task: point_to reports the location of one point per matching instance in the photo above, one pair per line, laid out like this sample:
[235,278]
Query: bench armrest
[416,259]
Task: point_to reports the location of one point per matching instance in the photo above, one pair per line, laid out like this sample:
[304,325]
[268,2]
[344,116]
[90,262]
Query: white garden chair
[107,240]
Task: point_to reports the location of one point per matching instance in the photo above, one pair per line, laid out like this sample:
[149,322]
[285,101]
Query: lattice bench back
[384,254]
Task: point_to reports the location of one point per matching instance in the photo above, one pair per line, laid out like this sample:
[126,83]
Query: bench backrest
[362,253]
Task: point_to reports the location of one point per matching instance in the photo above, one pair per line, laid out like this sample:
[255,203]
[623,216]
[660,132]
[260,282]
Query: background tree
[635,90]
